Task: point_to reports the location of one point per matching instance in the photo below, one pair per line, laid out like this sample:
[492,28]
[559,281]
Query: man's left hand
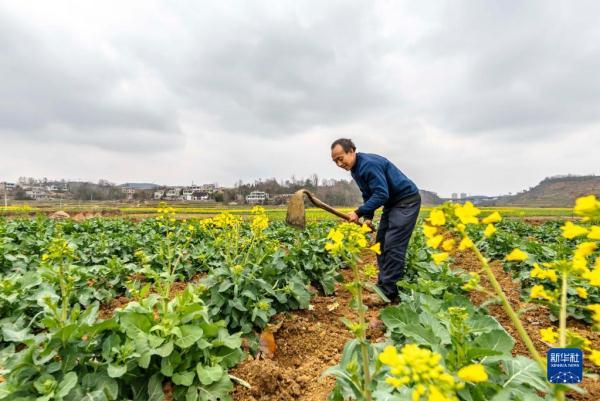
[353,217]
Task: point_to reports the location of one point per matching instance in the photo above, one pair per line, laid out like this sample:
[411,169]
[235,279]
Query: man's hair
[345,143]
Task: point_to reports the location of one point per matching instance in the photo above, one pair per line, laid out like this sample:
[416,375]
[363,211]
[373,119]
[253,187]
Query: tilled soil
[311,341]
[308,342]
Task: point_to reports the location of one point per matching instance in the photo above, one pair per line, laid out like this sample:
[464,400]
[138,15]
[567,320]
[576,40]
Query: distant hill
[429,198]
[556,191]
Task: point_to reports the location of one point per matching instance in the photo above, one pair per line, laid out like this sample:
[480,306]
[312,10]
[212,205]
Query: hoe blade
[296,216]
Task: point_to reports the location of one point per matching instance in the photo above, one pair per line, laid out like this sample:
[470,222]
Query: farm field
[188,304]
[193,209]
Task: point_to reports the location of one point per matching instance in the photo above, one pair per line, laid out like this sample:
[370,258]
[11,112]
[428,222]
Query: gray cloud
[219,90]
[526,69]
[55,87]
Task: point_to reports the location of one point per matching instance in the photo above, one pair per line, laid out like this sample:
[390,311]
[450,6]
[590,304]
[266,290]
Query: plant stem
[63,293]
[510,311]
[563,310]
[364,349]
[560,394]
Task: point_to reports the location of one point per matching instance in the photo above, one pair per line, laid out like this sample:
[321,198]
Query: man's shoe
[374,301]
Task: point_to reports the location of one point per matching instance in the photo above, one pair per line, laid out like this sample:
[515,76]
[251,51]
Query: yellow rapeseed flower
[489,230]
[539,292]
[376,248]
[439,257]
[538,272]
[448,245]
[595,308]
[581,292]
[420,368]
[467,213]
[435,241]
[437,217]
[492,218]
[390,356]
[549,335]
[571,230]
[516,255]
[593,276]
[429,231]
[394,382]
[585,249]
[436,395]
[365,229]
[587,205]
[594,356]
[473,373]
[465,243]
[594,233]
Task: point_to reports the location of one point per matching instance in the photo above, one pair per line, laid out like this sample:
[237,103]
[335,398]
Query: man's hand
[353,217]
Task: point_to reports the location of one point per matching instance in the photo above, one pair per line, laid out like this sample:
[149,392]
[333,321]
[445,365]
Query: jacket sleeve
[380,193]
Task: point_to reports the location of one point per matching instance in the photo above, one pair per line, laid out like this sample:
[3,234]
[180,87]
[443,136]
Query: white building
[173,193]
[210,187]
[188,194]
[37,193]
[8,186]
[159,194]
[257,197]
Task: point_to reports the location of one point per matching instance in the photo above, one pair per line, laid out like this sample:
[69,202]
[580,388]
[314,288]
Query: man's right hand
[352,217]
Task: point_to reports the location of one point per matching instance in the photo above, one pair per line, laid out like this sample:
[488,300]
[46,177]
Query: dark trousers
[395,228]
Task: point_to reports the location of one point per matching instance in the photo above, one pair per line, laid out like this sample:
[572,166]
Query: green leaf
[184,379]
[191,394]
[218,391]
[155,391]
[189,335]
[13,334]
[209,374]
[523,373]
[165,350]
[225,286]
[66,384]
[398,316]
[229,340]
[495,340]
[483,324]
[115,371]
[167,365]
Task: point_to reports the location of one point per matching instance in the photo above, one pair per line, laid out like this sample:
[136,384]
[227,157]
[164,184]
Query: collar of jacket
[354,168]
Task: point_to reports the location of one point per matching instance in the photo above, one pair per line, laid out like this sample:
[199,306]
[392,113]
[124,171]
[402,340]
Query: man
[382,184]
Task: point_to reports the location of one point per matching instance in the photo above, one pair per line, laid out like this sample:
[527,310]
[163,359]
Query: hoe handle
[320,204]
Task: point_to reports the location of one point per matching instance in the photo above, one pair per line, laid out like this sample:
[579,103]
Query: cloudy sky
[464,96]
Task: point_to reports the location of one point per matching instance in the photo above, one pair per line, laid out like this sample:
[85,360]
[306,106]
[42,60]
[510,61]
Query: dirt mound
[59,215]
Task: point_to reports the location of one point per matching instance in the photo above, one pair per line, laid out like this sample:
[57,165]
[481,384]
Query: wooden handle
[320,204]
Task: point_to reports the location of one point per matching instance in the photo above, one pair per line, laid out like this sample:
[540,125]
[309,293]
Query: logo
[565,365]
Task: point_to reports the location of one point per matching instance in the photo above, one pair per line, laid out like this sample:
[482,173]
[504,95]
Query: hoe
[296,215]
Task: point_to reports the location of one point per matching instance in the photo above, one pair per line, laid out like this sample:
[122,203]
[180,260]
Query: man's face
[343,159]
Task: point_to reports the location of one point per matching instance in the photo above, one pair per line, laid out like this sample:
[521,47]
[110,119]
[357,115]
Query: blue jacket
[380,182]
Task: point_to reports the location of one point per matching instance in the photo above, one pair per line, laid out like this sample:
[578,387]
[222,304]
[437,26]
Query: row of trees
[335,192]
